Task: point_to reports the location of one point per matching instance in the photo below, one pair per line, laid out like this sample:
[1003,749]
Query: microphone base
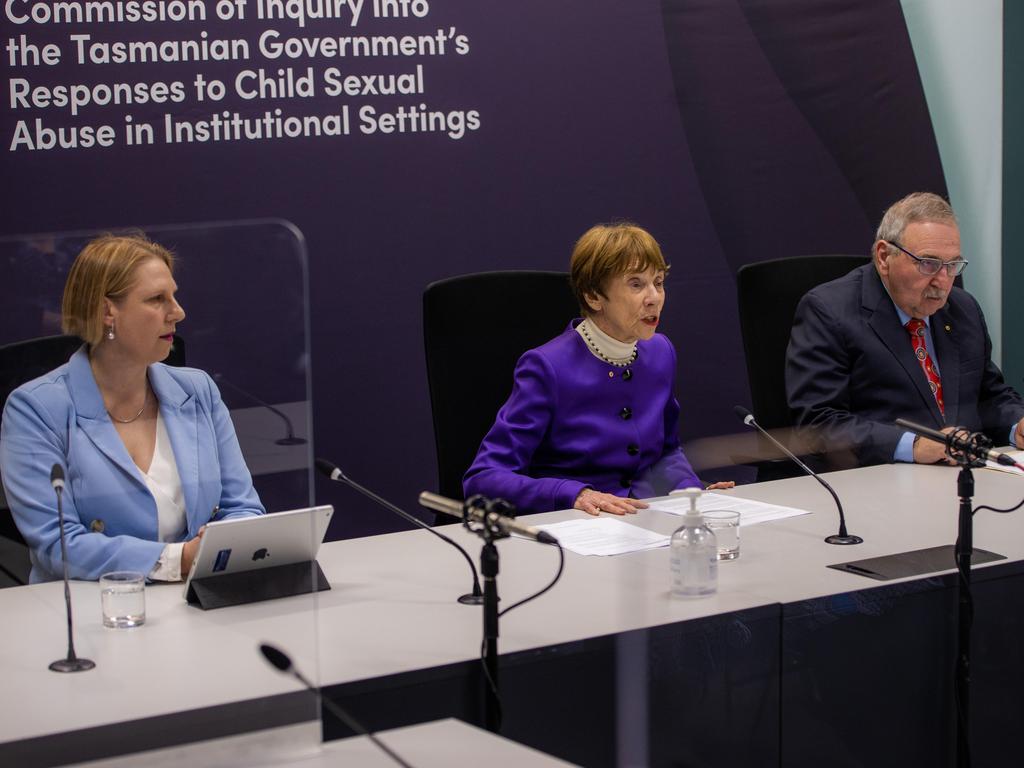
[837,539]
[72,665]
[471,599]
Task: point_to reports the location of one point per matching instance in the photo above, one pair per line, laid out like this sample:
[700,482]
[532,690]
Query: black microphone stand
[474,596]
[966,449]
[288,439]
[843,537]
[283,662]
[71,663]
[487,528]
[966,455]
[965,608]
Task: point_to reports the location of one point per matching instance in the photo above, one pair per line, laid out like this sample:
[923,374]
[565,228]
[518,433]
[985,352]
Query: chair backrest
[23,361]
[475,327]
[769,292]
[26,360]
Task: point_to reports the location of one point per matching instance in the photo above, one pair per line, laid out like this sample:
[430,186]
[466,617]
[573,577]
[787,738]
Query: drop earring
[110,331]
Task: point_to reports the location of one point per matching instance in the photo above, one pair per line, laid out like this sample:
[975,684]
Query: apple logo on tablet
[260,553]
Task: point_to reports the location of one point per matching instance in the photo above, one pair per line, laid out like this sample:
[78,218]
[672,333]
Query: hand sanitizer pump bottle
[693,553]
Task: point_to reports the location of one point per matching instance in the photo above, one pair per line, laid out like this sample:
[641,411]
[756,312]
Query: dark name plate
[915,563]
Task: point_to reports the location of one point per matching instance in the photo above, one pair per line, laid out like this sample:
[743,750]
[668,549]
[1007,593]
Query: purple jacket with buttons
[574,421]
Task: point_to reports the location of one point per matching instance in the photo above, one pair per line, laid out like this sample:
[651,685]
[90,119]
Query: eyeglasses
[931,266]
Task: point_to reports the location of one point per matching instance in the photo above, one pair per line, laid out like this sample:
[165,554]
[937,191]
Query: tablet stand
[254,586]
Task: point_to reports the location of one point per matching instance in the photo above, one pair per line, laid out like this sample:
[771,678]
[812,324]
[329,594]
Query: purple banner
[410,141]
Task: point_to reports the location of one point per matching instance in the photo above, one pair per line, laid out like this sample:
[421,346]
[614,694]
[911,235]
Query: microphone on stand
[974,445]
[492,525]
[290,438]
[840,538]
[506,524]
[281,661]
[71,663]
[476,597]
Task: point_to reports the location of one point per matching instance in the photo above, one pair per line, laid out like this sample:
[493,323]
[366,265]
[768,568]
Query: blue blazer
[110,517]
[851,370]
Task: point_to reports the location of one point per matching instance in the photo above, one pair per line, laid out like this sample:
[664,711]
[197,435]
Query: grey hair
[915,207]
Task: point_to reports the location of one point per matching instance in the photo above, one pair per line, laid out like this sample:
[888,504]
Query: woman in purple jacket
[592,419]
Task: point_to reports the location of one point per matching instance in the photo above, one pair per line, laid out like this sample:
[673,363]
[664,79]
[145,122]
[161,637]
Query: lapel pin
[948,329]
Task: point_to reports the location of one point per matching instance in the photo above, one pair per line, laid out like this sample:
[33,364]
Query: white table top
[439,744]
[392,607]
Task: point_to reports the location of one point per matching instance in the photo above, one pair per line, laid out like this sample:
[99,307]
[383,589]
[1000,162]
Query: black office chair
[475,327]
[769,292]
[20,362]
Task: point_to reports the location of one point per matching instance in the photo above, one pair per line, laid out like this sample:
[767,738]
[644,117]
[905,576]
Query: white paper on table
[603,536]
[751,512]
[1017,456]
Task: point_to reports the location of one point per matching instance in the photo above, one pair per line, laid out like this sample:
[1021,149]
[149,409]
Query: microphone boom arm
[334,473]
[842,537]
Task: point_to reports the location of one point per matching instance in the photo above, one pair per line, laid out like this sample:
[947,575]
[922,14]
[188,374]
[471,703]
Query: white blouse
[164,483]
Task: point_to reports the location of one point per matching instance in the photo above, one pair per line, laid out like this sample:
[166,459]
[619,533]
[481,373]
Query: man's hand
[594,502]
[1018,434]
[931,452]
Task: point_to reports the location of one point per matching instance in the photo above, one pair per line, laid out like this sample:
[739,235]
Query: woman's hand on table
[721,485]
[594,502]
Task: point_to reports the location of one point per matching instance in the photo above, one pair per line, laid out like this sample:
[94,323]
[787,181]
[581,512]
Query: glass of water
[726,526]
[123,596]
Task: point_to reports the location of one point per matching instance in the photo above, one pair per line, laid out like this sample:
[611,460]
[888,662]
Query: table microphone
[72,663]
[288,439]
[476,597]
[842,537]
[973,444]
[506,524]
[281,661]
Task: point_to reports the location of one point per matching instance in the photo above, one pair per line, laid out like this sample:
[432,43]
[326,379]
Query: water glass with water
[726,526]
[123,597]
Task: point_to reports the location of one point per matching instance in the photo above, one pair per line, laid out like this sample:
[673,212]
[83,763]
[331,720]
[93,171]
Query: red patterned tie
[915,328]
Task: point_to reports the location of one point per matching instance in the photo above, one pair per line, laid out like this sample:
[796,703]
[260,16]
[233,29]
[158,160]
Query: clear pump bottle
[693,553]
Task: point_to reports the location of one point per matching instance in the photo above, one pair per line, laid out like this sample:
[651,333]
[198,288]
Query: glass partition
[244,289]
[168,671]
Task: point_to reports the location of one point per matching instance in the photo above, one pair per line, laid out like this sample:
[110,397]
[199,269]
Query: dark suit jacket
[851,370]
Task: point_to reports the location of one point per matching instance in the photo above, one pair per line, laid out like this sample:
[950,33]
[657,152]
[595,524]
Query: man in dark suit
[896,339]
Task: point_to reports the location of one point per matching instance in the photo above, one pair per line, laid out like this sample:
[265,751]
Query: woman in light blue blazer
[149,451]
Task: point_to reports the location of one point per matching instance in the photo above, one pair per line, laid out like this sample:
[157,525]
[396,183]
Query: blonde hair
[609,250]
[104,269]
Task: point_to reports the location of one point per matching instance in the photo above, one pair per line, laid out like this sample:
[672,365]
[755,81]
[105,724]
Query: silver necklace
[602,355]
[145,402]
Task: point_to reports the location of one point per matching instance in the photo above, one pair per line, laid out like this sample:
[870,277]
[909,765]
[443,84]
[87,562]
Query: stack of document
[609,536]
[603,536]
[1017,456]
[751,512]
